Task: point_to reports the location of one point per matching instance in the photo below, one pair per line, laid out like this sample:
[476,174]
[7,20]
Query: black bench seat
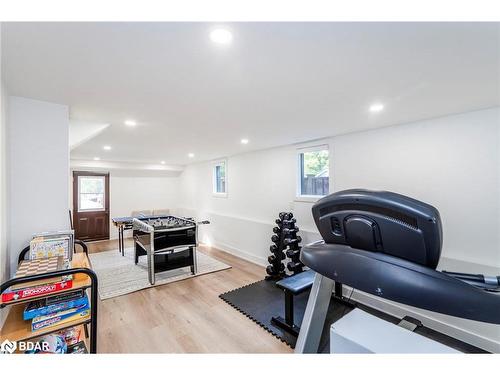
[292,286]
[298,283]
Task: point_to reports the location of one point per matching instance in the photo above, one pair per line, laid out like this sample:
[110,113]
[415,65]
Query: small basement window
[313,172]
[220,178]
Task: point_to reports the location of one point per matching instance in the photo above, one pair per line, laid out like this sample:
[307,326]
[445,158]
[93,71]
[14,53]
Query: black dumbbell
[283,215]
[290,230]
[270,270]
[291,241]
[294,266]
[276,230]
[274,257]
[275,238]
[289,223]
[290,253]
[274,249]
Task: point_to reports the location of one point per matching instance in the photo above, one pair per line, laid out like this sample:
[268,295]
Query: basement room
[250,187]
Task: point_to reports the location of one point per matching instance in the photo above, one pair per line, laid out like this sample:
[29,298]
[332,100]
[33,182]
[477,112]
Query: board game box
[36,291]
[72,335]
[59,320]
[46,307]
[78,348]
[41,266]
[50,244]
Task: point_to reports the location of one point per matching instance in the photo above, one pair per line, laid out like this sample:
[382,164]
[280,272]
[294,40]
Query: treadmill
[387,245]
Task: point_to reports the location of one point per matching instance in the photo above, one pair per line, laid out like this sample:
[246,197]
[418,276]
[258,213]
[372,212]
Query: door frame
[76,174]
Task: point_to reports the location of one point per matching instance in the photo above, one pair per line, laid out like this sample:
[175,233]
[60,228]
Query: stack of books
[41,287]
[57,310]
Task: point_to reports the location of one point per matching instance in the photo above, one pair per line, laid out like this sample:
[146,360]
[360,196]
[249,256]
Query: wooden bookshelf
[16,328]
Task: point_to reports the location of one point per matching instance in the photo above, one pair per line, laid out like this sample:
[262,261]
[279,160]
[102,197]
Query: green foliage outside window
[315,163]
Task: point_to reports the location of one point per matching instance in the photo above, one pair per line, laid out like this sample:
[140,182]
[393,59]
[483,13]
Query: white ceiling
[276,84]
[81,132]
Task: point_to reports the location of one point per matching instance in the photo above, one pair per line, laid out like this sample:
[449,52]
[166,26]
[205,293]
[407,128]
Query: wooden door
[91,205]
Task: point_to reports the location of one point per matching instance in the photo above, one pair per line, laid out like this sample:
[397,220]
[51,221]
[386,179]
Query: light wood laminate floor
[184,317]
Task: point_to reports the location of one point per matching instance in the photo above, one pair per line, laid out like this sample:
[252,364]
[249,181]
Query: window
[220,178]
[314,172]
[91,193]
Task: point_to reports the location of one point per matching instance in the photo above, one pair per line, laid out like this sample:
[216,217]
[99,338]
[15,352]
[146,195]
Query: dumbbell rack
[285,236]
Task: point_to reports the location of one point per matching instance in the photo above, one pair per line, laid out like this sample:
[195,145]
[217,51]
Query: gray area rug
[119,275]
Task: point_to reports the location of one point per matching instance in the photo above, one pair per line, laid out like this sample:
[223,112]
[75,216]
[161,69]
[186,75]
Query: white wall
[131,193]
[4,258]
[450,162]
[38,170]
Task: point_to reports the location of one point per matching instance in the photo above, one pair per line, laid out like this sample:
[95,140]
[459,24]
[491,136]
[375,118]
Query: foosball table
[169,242]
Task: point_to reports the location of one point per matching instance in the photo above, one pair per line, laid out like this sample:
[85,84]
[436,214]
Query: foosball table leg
[151,260]
[122,241]
[119,238]
[194,268]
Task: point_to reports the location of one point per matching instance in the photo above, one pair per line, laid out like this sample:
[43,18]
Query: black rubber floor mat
[262,300]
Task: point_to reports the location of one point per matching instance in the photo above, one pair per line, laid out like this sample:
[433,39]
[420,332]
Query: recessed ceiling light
[130,123]
[97,158]
[191,155]
[107,148]
[244,141]
[162,162]
[377,107]
[221,36]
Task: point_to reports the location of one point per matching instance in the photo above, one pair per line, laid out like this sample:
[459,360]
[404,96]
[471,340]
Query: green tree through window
[316,162]
[314,172]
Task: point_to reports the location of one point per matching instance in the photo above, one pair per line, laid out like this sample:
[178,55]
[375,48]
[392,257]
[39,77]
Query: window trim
[216,163]
[103,177]
[299,197]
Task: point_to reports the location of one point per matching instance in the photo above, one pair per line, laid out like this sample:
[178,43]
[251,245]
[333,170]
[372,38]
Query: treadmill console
[383,222]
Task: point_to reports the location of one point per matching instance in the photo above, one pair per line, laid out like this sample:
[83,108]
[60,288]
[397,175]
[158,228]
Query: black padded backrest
[381,221]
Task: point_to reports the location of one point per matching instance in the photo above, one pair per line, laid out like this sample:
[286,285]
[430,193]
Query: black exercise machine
[388,245]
